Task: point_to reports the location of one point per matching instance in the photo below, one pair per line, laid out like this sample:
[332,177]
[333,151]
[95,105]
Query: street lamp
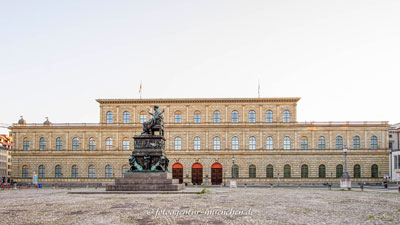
[345,181]
[233,179]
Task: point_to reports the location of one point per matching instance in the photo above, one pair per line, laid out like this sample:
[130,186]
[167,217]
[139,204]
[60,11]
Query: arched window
[124,169]
[357,171]
[91,172]
[286,142]
[58,172]
[321,143]
[178,117]
[235,116]
[339,171]
[270,143]
[196,117]
[126,117]
[217,143]
[374,142]
[304,171]
[217,117]
[74,171]
[125,144]
[75,143]
[322,171]
[252,116]
[25,171]
[142,117]
[42,172]
[109,143]
[197,143]
[92,143]
[252,171]
[59,144]
[109,117]
[235,171]
[269,116]
[304,143]
[235,143]
[374,171]
[26,144]
[339,143]
[252,143]
[42,143]
[286,116]
[270,171]
[356,142]
[286,171]
[109,171]
[178,143]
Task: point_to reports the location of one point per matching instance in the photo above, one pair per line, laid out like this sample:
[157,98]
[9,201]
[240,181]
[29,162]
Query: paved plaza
[211,206]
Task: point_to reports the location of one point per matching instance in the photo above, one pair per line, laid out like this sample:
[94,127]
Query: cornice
[198,100]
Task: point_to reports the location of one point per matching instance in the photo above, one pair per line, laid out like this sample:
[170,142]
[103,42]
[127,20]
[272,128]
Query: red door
[216,174]
[197,174]
[177,172]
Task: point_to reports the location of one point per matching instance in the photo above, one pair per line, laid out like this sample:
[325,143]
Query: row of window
[196,119]
[76,144]
[304,171]
[252,171]
[74,171]
[304,144]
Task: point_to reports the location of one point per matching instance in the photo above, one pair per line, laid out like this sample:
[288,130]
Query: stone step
[121,181]
[145,187]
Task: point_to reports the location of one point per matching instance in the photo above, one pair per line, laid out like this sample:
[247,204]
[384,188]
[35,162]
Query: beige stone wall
[206,130]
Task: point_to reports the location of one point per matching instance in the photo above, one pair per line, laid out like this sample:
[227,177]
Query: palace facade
[256,140]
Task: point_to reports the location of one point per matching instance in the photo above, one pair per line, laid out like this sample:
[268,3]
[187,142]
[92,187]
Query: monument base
[146,181]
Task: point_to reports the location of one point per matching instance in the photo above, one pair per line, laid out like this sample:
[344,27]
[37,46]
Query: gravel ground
[215,206]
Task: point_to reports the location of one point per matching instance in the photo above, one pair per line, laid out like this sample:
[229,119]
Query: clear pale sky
[341,57]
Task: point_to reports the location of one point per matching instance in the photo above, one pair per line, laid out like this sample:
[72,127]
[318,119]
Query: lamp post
[233,179]
[345,181]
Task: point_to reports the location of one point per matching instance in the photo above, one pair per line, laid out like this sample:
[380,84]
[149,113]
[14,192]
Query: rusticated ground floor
[255,168]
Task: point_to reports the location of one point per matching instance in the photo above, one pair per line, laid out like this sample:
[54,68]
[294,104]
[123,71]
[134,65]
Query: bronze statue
[155,123]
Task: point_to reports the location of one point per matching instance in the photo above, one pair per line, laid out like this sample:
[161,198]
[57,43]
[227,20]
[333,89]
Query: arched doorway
[197,174]
[177,172]
[216,174]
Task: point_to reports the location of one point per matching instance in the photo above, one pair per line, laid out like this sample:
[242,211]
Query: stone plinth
[146,181]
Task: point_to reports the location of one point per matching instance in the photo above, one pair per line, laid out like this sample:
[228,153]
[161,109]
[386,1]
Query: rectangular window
[197,118]
[395,162]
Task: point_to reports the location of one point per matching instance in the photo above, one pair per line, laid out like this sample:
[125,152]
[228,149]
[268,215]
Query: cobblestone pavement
[215,206]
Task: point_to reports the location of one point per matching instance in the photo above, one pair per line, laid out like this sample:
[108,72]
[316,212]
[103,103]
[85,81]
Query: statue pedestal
[146,181]
[148,168]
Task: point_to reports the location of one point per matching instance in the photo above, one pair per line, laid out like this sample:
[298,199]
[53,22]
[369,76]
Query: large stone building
[203,135]
[394,145]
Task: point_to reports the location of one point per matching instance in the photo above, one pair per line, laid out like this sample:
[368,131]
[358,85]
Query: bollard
[245,185]
[362,187]
[330,186]
[271,185]
[15,186]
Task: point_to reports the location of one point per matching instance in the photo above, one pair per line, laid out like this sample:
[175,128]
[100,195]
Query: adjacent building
[5,157]
[256,140]
[394,145]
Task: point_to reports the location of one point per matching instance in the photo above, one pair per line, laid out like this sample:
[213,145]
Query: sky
[341,57]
